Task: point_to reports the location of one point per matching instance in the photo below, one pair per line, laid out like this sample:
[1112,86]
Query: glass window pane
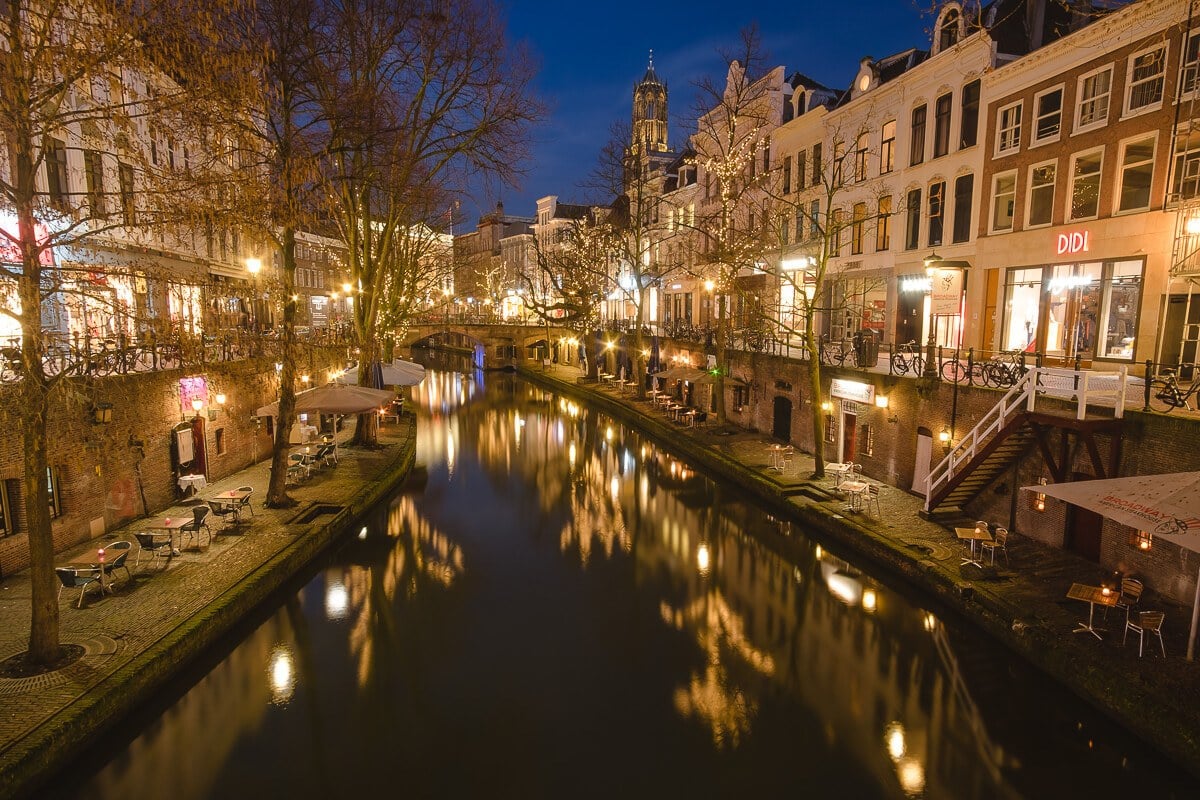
[1021,305]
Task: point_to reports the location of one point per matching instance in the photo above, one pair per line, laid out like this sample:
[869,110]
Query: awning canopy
[334,398]
[397,373]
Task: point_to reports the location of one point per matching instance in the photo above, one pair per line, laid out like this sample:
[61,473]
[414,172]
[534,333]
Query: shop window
[1022,306]
[1047,109]
[912,236]
[1008,129]
[53,486]
[968,125]
[937,209]
[1085,184]
[887,147]
[941,124]
[1137,171]
[916,152]
[1144,81]
[964,191]
[883,225]
[1041,194]
[1118,319]
[1004,192]
[1093,93]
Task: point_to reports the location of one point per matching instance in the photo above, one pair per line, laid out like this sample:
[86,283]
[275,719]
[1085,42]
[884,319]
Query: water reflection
[562,584]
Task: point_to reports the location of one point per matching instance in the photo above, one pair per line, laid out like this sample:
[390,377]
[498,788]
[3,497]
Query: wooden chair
[1148,622]
[999,542]
[72,578]
[1131,592]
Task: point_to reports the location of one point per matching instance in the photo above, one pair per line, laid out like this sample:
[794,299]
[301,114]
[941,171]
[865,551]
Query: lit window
[1008,129]
[1085,184]
[856,230]
[1094,91]
[887,149]
[883,226]
[937,208]
[941,125]
[861,147]
[1189,65]
[1004,192]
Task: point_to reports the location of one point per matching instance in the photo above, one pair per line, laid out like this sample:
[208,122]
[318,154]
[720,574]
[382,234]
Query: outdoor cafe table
[1091,595]
[92,562]
[194,483]
[233,498]
[972,536]
[855,490]
[840,473]
[775,452]
[171,525]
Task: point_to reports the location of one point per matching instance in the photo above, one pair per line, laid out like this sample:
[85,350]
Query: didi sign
[1074,242]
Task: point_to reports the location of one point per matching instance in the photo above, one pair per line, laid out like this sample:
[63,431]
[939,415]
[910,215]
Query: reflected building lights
[281,673]
[702,559]
[336,600]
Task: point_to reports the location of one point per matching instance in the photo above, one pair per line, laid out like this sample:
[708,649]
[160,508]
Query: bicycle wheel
[954,371]
[899,364]
[995,374]
[1163,397]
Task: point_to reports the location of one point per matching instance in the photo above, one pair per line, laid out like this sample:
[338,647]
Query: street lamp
[931,367]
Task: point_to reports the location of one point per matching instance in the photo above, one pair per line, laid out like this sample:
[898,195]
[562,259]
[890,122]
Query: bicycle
[907,358]
[837,353]
[1003,374]
[970,371]
[1166,394]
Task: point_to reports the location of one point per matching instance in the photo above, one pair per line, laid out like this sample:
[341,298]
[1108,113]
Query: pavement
[167,611]
[1021,601]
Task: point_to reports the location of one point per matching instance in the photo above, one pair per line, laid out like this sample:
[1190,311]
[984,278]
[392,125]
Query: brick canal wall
[107,474]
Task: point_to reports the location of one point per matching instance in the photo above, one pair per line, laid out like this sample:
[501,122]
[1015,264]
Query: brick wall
[102,470]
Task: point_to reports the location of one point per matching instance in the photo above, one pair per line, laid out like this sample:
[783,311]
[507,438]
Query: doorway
[1083,528]
[781,428]
[849,436]
[921,465]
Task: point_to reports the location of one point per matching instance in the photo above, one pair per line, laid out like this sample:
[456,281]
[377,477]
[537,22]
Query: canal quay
[160,619]
[1021,603]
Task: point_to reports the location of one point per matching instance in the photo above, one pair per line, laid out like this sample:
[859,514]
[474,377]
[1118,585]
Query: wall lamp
[102,413]
[944,438]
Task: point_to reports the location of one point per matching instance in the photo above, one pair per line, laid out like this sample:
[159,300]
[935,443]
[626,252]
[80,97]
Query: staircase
[1009,429]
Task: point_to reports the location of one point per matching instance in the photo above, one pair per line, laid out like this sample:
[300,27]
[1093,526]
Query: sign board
[852,390]
[946,295]
[1073,242]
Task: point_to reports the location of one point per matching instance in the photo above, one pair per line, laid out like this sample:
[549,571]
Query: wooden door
[1083,529]
[849,436]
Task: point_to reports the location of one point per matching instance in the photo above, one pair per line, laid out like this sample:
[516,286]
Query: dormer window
[948,31]
[801,100]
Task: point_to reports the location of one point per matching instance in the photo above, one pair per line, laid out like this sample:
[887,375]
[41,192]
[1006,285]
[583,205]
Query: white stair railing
[1018,399]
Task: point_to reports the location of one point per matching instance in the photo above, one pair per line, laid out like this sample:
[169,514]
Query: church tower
[650,113]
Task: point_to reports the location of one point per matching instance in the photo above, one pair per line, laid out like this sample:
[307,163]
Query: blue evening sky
[592,54]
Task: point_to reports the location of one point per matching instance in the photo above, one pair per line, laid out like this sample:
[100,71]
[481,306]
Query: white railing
[1085,387]
[1018,399]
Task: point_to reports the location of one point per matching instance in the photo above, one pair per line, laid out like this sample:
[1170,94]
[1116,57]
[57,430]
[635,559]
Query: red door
[849,434]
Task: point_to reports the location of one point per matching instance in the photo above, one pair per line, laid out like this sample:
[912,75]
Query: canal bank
[1021,604]
[162,618]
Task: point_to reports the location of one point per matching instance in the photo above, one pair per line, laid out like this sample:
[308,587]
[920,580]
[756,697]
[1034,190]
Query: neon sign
[1074,242]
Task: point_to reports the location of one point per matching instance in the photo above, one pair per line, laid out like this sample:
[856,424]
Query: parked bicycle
[907,358]
[1166,394]
[1005,369]
[969,371]
[837,353]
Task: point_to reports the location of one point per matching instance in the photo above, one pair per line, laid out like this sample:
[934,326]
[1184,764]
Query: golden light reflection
[281,674]
[337,601]
[702,559]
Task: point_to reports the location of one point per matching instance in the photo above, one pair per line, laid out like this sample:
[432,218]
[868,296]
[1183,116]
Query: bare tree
[731,143]
[417,97]
[99,84]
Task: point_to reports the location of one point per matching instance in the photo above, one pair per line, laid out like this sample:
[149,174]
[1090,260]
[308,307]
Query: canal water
[564,609]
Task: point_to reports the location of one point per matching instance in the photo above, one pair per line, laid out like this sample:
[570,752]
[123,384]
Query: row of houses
[1026,180]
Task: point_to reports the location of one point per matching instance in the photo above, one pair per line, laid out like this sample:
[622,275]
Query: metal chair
[154,544]
[192,529]
[226,511]
[72,578]
[1148,622]
[999,542]
[873,497]
[298,467]
[788,453]
[117,553]
[245,503]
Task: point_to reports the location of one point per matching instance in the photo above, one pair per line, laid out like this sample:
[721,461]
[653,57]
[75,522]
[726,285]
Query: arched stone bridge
[492,346]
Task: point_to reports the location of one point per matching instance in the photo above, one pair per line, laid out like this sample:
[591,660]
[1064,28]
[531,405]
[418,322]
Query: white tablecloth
[197,482]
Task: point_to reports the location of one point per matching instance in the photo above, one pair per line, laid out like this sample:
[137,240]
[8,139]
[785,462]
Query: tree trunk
[722,359]
[818,398]
[277,496]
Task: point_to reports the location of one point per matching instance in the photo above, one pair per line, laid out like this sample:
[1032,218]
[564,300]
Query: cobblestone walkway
[154,602]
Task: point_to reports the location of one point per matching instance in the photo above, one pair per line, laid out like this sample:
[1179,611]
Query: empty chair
[72,578]
[788,453]
[999,542]
[1131,592]
[1147,622]
[324,456]
[158,545]
[245,501]
[228,512]
[298,466]
[115,555]
[873,497]
[193,528]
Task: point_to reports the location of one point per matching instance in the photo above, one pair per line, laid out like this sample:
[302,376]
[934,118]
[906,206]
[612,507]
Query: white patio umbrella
[1166,505]
[397,373]
[334,398]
